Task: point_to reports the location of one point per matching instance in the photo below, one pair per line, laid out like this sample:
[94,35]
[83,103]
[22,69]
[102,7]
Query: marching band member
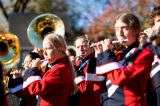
[126,81]
[85,73]
[57,83]
[22,77]
[153,89]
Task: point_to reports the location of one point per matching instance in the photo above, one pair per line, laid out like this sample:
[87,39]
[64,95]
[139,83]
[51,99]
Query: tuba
[9,50]
[43,24]
[9,55]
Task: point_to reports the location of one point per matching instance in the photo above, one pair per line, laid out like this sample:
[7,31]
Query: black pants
[74,100]
[158,96]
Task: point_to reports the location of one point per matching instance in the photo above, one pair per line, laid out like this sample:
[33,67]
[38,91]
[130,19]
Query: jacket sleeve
[80,81]
[141,65]
[51,81]
[106,62]
[87,80]
[19,85]
[15,85]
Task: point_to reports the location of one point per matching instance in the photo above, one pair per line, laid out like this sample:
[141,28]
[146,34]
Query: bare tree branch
[3,10]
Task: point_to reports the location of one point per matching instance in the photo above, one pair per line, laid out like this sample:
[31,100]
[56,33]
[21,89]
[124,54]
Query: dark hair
[72,51]
[155,12]
[33,55]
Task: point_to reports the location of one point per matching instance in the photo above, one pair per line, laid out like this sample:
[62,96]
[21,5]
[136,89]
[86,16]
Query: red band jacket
[54,88]
[17,85]
[125,82]
[86,80]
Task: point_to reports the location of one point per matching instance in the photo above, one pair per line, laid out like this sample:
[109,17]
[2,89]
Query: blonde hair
[59,42]
[56,40]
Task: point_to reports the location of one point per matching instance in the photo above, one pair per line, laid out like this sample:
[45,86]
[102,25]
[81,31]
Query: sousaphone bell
[43,24]
[9,50]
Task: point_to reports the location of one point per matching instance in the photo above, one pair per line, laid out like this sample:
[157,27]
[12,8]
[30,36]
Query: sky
[83,12]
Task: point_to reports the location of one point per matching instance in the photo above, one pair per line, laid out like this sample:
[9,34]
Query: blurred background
[94,17]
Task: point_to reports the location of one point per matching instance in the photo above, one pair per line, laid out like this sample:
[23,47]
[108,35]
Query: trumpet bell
[43,24]
[9,50]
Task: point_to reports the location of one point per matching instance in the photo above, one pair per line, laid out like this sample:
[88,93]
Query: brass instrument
[9,50]
[43,24]
[9,54]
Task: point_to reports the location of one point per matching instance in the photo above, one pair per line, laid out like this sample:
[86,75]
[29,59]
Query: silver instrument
[119,41]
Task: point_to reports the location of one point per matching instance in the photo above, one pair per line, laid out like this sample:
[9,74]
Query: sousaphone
[43,24]
[9,50]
